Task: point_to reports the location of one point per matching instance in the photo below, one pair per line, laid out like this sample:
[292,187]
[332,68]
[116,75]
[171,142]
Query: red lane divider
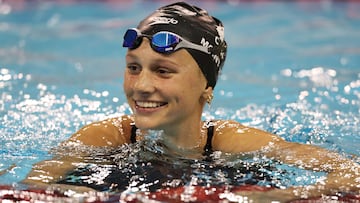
[192,194]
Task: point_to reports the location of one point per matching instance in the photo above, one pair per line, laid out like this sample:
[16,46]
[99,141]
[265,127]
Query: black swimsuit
[155,174]
[207,148]
[165,171]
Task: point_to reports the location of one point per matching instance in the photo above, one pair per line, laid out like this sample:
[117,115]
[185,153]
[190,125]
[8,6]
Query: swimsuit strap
[210,133]
[208,146]
[133,133]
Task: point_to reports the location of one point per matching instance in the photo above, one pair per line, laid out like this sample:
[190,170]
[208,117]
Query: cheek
[127,84]
[192,88]
[196,83]
[196,79]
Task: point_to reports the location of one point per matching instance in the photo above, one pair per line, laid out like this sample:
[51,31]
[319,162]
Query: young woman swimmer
[172,64]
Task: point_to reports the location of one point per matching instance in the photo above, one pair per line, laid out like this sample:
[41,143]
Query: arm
[108,133]
[343,174]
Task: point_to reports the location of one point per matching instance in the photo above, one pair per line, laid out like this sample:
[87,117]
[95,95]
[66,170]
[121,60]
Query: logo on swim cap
[163,20]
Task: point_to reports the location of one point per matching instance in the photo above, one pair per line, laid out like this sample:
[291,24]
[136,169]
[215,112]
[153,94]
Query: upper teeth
[146,104]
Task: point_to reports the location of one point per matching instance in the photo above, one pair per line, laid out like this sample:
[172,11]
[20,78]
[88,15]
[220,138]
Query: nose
[144,83]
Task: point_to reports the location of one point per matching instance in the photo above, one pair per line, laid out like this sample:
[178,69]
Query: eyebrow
[131,55]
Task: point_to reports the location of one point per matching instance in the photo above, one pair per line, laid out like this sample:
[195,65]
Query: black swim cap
[195,25]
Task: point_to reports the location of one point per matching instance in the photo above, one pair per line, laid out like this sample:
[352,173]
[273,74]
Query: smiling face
[165,92]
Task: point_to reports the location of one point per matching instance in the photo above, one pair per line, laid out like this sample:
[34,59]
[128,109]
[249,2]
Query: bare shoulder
[232,136]
[110,132]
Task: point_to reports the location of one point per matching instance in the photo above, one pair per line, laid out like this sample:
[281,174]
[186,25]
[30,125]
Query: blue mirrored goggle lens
[129,38]
[164,41]
[161,42]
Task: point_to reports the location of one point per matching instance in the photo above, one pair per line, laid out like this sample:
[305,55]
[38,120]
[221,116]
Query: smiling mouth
[149,104]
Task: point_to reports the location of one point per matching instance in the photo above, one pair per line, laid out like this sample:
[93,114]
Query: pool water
[293,69]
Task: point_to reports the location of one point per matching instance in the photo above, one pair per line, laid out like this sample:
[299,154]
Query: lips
[149,104]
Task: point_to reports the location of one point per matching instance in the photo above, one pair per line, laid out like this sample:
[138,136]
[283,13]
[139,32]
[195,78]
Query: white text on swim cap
[207,44]
[216,59]
[163,20]
[221,33]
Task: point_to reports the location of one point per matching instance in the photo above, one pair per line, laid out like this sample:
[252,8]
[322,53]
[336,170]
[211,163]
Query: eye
[133,68]
[164,72]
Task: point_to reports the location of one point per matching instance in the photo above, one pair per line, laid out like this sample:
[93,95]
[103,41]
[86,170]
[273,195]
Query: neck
[188,136]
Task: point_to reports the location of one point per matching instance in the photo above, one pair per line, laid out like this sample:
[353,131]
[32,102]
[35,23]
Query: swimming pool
[292,69]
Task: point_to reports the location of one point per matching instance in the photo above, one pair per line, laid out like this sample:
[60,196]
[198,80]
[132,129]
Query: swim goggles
[164,42]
